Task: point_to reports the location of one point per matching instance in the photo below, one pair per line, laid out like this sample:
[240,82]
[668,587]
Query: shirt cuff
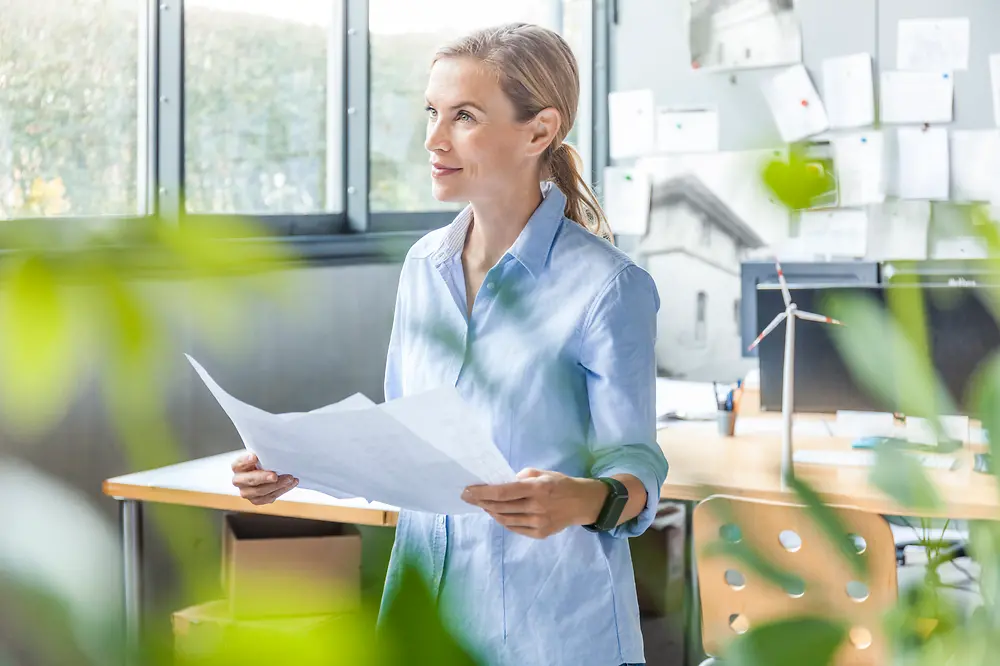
[640,523]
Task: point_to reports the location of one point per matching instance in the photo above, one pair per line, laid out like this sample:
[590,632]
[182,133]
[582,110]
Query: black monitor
[961,334]
[756,273]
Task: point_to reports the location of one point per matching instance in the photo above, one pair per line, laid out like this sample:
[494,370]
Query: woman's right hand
[260,486]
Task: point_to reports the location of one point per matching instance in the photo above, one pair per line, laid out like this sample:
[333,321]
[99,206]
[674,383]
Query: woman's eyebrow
[461,104]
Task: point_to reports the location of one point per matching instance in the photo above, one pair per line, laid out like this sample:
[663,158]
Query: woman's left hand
[540,504]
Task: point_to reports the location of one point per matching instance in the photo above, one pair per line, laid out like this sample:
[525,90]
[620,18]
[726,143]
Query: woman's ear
[544,128]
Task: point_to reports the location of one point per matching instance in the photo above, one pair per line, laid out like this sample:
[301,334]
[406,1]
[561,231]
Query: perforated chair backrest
[823,582]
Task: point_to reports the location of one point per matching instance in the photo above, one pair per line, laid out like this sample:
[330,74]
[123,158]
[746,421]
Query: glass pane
[404,37]
[256,106]
[69,107]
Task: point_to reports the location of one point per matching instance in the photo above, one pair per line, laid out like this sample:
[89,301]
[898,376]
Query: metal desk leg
[693,650]
[131,532]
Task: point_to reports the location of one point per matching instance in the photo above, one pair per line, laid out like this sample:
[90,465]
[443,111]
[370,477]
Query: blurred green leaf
[791,642]
[412,631]
[40,364]
[874,340]
[984,390]
[901,476]
[796,182]
[830,524]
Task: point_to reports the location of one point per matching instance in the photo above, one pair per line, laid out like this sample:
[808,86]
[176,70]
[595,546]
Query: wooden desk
[207,483]
[703,463]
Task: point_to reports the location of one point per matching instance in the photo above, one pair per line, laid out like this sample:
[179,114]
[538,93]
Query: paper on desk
[848,91]
[923,163]
[796,106]
[764,425]
[974,165]
[626,199]
[836,232]
[687,130]
[917,97]
[920,431]
[860,163]
[689,401]
[632,123]
[864,424]
[933,44]
[418,452]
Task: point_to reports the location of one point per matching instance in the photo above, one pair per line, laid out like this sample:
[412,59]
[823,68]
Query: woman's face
[477,146]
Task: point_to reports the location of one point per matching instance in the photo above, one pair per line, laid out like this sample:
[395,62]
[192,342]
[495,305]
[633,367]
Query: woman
[547,331]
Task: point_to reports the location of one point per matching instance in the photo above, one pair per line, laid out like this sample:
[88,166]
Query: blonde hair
[537,70]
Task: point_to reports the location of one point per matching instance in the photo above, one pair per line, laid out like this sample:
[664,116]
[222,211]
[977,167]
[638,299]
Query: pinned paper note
[923,163]
[917,97]
[898,230]
[961,247]
[687,130]
[995,85]
[796,106]
[860,163]
[933,44]
[835,233]
[974,165]
[848,91]
[626,200]
[632,123]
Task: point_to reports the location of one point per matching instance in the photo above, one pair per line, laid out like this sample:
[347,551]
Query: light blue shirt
[557,357]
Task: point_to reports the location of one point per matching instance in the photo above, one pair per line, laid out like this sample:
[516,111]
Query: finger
[284,483]
[503,492]
[270,497]
[527,531]
[519,520]
[525,506]
[245,463]
[529,473]
[254,478]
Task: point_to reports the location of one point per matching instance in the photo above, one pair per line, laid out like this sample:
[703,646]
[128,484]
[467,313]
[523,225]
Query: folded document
[418,452]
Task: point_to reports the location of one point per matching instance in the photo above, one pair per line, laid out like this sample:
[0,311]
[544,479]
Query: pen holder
[726,421]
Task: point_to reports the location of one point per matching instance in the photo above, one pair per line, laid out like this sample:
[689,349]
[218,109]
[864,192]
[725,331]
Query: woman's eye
[430,112]
[464,116]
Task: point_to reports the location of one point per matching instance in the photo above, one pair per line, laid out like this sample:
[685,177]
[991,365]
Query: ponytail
[566,170]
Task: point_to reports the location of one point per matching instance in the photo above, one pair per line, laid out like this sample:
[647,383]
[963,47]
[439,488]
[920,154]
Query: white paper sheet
[835,233]
[676,399]
[860,163]
[417,452]
[923,164]
[961,247]
[995,85]
[848,91]
[687,130]
[917,97]
[975,165]
[796,106]
[933,44]
[899,230]
[920,431]
[864,424]
[632,123]
[626,200]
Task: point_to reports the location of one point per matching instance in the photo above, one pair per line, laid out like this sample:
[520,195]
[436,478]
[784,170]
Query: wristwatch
[615,503]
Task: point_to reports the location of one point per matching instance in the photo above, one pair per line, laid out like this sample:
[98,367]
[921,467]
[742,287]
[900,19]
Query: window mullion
[169,109]
[356,137]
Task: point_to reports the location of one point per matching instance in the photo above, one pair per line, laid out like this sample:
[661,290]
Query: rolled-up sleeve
[617,351]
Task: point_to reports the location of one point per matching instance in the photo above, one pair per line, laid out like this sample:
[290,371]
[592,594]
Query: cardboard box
[208,635]
[281,567]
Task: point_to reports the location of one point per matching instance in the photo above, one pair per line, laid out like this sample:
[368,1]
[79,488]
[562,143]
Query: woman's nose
[437,136]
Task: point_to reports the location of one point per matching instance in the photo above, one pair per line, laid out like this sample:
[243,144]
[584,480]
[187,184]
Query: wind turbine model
[791,313]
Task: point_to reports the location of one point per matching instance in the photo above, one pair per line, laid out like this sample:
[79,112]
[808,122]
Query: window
[404,36]
[257,127]
[699,316]
[69,107]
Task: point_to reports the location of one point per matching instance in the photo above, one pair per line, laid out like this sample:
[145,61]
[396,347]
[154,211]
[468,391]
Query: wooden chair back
[823,582]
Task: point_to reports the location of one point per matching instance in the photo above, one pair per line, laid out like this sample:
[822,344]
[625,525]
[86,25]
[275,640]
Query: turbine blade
[770,327]
[809,316]
[784,285]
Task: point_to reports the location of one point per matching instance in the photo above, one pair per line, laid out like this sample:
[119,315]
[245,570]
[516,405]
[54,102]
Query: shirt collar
[534,242]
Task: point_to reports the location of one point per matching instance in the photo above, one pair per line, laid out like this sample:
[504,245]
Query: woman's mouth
[440,171]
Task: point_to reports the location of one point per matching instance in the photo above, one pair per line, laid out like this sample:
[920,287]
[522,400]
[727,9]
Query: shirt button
[489,285]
